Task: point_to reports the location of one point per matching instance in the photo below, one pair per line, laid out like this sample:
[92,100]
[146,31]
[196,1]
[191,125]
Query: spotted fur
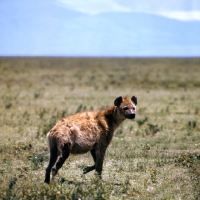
[87,131]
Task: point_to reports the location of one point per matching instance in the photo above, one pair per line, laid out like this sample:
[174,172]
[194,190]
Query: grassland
[156,156]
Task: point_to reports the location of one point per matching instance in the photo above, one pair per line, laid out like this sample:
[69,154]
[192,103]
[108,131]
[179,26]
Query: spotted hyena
[87,131]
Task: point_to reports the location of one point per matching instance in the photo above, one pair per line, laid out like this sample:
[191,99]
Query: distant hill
[58,31]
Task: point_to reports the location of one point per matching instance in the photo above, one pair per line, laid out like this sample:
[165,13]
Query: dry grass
[157,156]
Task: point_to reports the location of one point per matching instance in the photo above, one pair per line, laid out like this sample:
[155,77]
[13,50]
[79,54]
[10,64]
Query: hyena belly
[85,137]
[82,145]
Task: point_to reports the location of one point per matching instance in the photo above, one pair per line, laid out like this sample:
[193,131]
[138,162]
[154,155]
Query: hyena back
[87,131]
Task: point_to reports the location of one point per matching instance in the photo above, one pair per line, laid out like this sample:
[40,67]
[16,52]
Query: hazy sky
[100,28]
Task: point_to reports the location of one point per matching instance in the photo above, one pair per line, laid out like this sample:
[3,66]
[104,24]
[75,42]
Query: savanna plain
[155,156]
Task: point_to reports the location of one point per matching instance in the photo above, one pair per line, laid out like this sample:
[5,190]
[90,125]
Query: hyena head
[126,107]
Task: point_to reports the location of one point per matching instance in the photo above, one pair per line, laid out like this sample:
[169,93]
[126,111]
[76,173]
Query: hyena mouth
[130,116]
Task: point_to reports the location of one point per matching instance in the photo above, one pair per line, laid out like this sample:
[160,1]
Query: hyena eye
[125,108]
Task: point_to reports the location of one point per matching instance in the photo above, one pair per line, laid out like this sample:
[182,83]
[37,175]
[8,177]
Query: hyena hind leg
[52,160]
[63,154]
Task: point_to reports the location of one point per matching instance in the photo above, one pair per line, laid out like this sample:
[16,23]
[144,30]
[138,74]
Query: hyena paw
[88,169]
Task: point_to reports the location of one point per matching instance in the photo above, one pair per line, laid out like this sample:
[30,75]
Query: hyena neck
[109,120]
[113,118]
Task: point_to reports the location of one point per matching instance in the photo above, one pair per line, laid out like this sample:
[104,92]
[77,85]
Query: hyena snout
[130,114]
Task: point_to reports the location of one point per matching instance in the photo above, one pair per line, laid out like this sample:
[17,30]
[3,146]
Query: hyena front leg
[90,168]
[100,153]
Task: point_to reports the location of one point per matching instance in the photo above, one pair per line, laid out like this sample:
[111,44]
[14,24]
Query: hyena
[87,131]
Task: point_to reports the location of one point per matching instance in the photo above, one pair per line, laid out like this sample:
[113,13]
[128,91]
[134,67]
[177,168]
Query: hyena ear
[118,101]
[134,99]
